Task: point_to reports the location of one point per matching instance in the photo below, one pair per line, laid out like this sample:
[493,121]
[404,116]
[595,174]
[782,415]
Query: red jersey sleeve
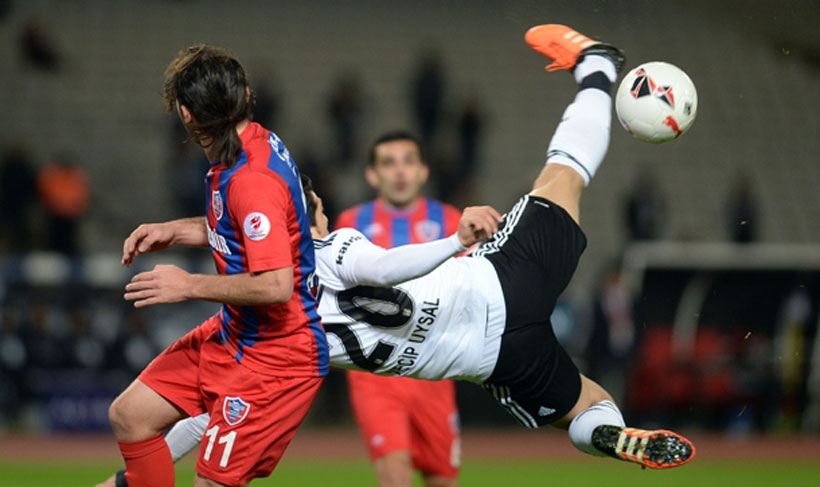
[259,205]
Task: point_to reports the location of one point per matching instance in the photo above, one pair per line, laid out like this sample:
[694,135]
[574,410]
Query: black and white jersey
[446,324]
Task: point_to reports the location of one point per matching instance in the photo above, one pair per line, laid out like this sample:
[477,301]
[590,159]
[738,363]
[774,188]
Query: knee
[118,416]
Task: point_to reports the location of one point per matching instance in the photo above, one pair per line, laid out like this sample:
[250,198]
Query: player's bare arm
[153,237]
[477,223]
[167,284]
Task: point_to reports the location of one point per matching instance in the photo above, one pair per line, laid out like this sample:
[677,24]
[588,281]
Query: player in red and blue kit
[257,364]
[407,423]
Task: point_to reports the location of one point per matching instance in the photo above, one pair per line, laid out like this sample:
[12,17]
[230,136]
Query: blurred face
[321,218]
[397,173]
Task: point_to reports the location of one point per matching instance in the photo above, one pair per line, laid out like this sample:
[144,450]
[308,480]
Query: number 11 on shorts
[227,440]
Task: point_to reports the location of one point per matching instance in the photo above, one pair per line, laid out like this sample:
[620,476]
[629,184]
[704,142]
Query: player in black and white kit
[485,318]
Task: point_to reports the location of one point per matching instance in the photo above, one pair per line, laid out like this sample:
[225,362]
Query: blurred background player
[407,423]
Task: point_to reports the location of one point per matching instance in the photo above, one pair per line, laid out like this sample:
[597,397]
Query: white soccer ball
[656,102]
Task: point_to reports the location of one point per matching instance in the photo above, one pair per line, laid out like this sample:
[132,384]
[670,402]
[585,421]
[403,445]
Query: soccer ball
[656,102]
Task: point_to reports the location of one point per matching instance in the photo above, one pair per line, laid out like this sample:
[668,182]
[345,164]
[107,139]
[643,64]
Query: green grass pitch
[476,473]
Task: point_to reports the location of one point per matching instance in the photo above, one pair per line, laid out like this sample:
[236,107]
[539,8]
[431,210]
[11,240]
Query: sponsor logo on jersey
[256,226]
[234,410]
[427,230]
[545,411]
[345,247]
[216,204]
[218,242]
[279,148]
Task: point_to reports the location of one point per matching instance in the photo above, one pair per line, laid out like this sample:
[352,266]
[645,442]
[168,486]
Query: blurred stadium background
[696,302]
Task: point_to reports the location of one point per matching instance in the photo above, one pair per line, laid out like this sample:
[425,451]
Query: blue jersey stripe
[435,212]
[401,231]
[233,262]
[364,218]
[284,166]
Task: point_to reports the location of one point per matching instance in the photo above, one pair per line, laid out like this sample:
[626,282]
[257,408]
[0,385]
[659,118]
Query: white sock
[185,435]
[593,63]
[582,138]
[580,430]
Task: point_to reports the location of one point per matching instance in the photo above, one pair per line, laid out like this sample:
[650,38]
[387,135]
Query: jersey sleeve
[259,206]
[357,261]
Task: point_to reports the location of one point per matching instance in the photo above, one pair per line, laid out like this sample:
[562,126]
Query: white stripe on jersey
[500,238]
[502,395]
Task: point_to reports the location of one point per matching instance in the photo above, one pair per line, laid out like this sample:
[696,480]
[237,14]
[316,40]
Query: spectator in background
[14,361]
[645,207]
[457,183]
[345,109]
[267,100]
[134,348]
[37,49]
[42,347]
[407,423]
[18,192]
[427,95]
[83,349]
[65,193]
[742,211]
[187,167]
[613,337]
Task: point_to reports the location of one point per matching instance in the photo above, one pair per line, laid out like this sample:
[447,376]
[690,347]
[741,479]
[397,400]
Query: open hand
[477,223]
[164,284]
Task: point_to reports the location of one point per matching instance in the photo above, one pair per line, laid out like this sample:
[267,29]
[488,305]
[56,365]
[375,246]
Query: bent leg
[596,427]
[139,413]
[581,139]
[563,186]
[138,416]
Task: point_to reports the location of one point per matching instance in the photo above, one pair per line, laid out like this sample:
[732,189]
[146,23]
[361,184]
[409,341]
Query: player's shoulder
[347,218]
[447,208]
[248,183]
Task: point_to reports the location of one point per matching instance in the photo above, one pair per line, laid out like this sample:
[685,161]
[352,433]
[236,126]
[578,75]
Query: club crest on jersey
[234,410]
[256,226]
[216,204]
[427,230]
[646,86]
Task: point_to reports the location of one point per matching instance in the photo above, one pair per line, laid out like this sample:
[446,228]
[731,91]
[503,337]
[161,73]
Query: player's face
[398,173]
[321,218]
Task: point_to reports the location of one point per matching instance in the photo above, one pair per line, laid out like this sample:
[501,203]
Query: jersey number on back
[382,307]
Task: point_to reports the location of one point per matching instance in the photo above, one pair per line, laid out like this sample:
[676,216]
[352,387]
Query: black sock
[596,80]
[121,482]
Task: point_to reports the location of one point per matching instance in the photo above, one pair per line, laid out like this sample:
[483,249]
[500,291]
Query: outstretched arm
[151,237]
[166,284]
[375,266]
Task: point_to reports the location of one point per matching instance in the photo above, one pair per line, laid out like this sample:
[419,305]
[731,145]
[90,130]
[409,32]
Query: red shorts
[398,413]
[253,416]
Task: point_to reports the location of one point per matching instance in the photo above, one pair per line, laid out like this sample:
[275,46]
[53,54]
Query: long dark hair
[212,85]
[307,187]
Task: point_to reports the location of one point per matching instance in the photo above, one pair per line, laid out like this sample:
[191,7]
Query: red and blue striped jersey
[424,221]
[257,221]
